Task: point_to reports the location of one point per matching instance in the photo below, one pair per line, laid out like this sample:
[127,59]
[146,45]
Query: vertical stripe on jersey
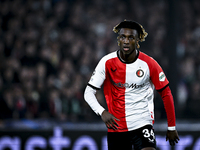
[115,98]
[137,94]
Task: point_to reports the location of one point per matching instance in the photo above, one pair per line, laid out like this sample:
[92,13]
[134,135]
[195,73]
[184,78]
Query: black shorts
[139,138]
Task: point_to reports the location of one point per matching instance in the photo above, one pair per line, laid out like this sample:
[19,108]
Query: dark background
[49,49]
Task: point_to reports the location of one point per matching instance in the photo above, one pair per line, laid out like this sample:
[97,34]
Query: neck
[128,58]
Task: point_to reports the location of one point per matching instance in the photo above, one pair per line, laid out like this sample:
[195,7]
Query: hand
[172,136]
[109,120]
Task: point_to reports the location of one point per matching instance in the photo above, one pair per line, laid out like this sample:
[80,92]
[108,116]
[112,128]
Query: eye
[122,37]
[131,38]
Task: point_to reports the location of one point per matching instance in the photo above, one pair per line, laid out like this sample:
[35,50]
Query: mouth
[126,48]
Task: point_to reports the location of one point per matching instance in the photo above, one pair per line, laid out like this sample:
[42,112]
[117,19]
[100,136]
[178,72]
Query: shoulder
[102,63]
[145,57]
[109,56]
[148,59]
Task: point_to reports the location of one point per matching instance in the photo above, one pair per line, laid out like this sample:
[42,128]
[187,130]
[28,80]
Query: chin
[127,52]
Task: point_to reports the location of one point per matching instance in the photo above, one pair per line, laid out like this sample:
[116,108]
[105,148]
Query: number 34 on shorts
[149,134]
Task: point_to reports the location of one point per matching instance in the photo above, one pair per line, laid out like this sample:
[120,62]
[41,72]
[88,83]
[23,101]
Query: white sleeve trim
[171,128]
[90,98]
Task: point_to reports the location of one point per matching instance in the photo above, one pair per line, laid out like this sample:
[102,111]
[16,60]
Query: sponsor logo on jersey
[127,85]
[161,76]
[140,73]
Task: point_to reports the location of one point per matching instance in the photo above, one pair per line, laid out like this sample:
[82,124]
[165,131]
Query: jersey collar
[118,51]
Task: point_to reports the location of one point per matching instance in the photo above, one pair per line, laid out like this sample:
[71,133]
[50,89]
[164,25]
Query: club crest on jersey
[140,73]
[161,76]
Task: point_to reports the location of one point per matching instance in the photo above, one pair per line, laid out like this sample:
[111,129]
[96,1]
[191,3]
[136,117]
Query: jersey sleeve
[98,75]
[157,75]
[91,99]
[169,107]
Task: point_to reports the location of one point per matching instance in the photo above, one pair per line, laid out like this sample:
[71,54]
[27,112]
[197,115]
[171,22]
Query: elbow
[89,93]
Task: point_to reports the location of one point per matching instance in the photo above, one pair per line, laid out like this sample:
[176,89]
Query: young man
[129,77]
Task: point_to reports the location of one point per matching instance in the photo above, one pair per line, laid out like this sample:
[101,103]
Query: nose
[126,40]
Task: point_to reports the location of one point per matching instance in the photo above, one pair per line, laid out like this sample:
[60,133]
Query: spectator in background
[51,36]
[7,105]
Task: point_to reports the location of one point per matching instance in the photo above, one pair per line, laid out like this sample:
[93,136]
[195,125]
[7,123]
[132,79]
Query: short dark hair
[132,25]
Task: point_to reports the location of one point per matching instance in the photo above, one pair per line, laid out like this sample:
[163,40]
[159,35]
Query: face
[127,39]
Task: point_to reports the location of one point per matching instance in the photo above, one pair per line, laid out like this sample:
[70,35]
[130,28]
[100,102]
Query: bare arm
[109,120]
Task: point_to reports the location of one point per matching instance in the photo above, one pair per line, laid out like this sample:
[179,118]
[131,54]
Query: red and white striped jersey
[129,88]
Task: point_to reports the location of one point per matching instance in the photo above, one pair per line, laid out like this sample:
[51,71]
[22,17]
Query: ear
[138,46]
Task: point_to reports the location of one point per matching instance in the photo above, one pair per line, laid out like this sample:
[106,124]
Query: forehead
[127,31]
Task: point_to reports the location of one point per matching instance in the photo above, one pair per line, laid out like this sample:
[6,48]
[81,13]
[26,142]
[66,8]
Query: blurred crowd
[49,49]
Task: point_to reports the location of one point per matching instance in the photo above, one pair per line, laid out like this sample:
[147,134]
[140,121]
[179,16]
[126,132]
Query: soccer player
[129,77]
